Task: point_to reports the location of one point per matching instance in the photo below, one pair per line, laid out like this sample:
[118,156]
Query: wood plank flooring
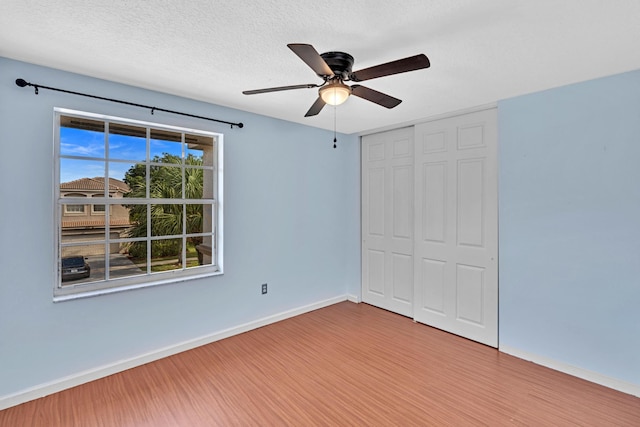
[344,365]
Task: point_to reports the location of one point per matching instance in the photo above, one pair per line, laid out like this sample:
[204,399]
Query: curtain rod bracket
[24,83]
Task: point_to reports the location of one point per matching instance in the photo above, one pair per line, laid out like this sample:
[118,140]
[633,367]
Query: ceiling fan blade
[277,89]
[312,58]
[411,63]
[375,96]
[315,108]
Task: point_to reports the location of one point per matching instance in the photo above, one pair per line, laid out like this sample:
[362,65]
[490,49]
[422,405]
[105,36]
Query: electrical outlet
[264,288]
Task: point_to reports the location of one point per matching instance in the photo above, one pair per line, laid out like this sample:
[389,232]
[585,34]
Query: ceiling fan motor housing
[339,62]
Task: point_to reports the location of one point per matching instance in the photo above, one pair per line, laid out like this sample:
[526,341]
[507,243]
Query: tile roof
[97,223]
[96,183]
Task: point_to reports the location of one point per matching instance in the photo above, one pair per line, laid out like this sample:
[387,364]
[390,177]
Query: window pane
[199,218]
[204,250]
[194,184]
[165,146]
[127,142]
[166,220]
[166,182]
[129,179]
[120,265]
[78,226]
[131,218]
[136,252]
[81,137]
[81,176]
[199,147]
[199,180]
[166,254]
[119,217]
[192,254]
[81,264]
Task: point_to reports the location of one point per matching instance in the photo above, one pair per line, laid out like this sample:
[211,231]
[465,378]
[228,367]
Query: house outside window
[140,202]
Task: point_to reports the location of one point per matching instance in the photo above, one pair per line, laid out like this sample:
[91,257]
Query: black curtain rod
[23,83]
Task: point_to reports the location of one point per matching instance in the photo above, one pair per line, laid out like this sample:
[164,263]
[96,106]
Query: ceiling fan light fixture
[335,93]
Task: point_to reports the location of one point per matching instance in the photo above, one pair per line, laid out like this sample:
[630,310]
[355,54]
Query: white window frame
[110,285]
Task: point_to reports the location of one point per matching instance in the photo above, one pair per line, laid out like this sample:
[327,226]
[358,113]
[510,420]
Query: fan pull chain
[334,127]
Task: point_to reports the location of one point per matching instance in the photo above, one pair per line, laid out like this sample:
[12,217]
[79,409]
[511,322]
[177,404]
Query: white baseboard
[353,298]
[585,374]
[73,380]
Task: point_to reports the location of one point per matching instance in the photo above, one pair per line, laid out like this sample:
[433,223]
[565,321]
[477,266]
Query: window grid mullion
[183,175]
[107,215]
[148,197]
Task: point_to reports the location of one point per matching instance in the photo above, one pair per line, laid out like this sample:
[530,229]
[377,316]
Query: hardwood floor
[347,364]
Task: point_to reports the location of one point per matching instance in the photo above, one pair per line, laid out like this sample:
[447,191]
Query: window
[155,209]
[97,209]
[74,209]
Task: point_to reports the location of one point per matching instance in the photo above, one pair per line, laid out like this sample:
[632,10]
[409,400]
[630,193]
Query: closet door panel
[388,221]
[456,226]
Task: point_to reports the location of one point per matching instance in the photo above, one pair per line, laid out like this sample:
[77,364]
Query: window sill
[146,284]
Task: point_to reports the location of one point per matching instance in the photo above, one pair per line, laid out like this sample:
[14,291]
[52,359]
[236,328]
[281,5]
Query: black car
[75,267]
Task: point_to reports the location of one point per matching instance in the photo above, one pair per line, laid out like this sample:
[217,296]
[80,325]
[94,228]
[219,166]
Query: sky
[87,153]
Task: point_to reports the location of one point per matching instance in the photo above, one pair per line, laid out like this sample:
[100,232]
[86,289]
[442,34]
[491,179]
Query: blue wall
[569,230]
[570,225]
[291,219]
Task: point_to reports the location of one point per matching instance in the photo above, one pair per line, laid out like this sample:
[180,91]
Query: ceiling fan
[335,68]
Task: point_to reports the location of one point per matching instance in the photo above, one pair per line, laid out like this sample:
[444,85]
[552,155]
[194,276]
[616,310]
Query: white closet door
[387,220]
[456,226]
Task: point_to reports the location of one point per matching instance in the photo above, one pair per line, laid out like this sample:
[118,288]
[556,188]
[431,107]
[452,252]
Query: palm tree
[165,183]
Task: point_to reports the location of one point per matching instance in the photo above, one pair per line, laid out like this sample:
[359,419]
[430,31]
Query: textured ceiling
[480,51]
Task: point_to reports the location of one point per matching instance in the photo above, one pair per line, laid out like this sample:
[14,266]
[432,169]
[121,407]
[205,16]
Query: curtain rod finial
[21,82]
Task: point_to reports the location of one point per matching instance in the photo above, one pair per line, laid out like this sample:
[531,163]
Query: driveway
[119,266]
